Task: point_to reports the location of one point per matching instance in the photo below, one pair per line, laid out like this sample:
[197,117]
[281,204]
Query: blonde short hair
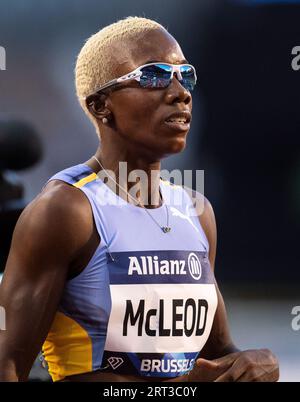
[94,61]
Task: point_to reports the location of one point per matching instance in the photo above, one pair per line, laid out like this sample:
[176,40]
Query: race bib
[163,305]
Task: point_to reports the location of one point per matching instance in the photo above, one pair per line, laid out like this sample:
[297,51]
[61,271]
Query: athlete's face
[140,114]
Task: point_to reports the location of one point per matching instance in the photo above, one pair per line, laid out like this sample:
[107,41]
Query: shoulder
[60,216]
[59,200]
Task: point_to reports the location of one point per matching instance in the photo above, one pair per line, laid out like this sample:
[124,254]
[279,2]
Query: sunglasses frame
[137,73]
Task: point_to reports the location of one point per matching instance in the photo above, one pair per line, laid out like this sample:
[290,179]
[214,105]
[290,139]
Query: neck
[137,175]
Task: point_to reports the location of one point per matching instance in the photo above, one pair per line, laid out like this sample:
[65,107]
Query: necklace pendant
[166,229]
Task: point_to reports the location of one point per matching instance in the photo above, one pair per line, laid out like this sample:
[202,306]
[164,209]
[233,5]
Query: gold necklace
[165,229]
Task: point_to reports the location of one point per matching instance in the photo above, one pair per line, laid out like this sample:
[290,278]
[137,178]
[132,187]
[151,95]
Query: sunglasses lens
[159,75]
[155,76]
[188,77]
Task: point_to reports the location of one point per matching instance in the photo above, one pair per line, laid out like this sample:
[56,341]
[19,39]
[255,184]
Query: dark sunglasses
[157,75]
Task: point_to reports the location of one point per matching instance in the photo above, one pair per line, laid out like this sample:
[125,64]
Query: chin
[176,146]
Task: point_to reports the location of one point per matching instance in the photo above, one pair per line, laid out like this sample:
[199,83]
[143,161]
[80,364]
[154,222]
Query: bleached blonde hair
[94,61]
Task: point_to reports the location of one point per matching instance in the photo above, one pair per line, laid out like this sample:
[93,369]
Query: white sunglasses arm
[132,75]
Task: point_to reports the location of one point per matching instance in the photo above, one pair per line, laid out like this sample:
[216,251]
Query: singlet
[145,303]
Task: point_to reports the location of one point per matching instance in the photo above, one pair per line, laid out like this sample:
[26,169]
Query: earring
[104,120]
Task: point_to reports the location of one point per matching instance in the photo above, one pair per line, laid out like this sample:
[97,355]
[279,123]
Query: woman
[118,285]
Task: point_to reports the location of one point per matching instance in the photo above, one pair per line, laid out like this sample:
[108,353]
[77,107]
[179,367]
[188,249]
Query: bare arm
[44,244]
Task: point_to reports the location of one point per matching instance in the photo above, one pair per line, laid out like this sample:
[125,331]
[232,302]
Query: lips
[179,121]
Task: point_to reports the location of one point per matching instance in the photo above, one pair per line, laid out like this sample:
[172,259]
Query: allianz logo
[151,265]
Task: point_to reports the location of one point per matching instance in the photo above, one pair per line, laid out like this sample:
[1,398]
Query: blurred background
[245,135]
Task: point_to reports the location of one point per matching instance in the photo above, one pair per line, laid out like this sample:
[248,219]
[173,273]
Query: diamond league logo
[194,266]
[115,362]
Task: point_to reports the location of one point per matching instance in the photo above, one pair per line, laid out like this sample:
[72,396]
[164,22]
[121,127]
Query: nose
[176,93]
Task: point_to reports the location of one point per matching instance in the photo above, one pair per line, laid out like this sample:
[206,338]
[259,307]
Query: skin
[43,256]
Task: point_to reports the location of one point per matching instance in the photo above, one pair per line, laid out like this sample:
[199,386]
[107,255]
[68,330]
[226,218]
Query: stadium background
[245,135]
